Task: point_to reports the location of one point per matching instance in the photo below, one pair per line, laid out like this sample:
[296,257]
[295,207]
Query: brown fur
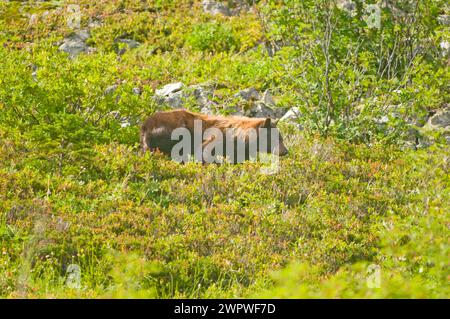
[157,129]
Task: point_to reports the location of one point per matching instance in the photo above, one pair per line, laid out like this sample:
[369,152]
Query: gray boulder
[440,120]
[175,94]
[202,93]
[75,43]
[348,6]
[111,89]
[216,7]
[137,91]
[422,136]
[250,94]
[267,99]
[259,110]
[174,100]
[261,105]
[445,48]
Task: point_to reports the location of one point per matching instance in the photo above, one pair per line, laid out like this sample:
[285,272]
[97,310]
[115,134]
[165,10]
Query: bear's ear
[267,122]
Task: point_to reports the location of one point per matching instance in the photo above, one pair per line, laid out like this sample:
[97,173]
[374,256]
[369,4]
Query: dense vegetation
[365,190]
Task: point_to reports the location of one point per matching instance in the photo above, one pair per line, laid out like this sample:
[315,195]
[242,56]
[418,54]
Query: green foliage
[212,37]
[75,190]
[343,65]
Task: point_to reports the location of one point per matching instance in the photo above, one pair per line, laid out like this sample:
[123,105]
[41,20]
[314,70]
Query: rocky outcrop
[348,6]
[257,104]
[424,131]
[170,95]
[250,94]
[202,93]
[445,48]
[440,120]
[175,95]
[210,108]
[75,44]
[169,89]
[215,7]
[251,102]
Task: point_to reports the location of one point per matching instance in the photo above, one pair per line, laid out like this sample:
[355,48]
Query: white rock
[445,48]
[292,115]
[170,88]
[348,6]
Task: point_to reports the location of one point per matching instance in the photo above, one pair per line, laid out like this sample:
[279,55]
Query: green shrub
[75,190]
[212,37]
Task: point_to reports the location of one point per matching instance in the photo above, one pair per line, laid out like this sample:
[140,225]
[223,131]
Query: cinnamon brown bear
[208,137]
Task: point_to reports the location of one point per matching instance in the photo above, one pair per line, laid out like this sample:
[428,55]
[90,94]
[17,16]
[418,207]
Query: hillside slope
[359,208]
